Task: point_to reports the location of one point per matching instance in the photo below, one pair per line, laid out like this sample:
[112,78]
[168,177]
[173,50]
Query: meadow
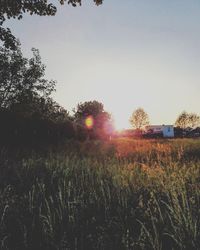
[121,194]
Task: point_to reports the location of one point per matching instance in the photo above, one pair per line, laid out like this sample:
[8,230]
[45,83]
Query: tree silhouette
[22,79]
[101,120]
[28,114]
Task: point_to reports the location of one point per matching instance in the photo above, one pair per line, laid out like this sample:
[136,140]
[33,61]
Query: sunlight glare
[89,122]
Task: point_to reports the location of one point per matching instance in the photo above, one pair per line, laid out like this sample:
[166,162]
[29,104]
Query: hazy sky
[125,53]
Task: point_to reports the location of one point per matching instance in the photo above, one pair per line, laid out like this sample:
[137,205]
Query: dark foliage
[28,114]
[102,122]
[22,78]
[18,129]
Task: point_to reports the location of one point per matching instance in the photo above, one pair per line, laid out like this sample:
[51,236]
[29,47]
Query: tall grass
[123,194]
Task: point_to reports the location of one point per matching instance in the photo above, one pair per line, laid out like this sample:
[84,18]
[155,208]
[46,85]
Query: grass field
[115,195]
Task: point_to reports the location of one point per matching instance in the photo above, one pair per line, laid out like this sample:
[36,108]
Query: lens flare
[89,122]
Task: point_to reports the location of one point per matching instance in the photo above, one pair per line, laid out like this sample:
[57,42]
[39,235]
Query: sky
[124,53]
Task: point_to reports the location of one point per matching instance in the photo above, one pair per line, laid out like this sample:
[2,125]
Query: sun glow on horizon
[120,120]
[120,124]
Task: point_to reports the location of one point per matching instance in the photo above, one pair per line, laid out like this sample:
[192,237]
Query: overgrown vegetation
[121,194]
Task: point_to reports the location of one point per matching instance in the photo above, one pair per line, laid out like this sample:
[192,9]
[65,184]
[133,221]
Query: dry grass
[122,194]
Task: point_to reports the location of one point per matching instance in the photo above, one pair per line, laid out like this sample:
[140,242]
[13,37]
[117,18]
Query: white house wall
[168,131]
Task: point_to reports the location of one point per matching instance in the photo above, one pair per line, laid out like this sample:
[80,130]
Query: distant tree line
[187,124]
[28,114]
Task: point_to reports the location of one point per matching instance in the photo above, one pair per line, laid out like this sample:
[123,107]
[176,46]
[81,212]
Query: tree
[94,118]
[194,120]
[40,108]
[21,79]
[182,120]
[28,114]
[85,109]
[40,121]
[17,8]
[139,119]
[187,120]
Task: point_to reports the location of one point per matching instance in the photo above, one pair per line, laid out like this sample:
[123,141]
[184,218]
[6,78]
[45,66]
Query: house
[166,131]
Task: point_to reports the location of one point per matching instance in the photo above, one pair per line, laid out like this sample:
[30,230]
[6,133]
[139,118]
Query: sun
[120,120]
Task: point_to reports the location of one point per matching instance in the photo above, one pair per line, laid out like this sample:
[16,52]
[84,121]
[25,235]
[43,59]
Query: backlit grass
[121,194]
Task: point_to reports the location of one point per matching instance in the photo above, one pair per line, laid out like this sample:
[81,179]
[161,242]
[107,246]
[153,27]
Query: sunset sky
[125,54]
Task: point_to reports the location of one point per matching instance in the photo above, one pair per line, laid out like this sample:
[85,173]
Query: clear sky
[125,54]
